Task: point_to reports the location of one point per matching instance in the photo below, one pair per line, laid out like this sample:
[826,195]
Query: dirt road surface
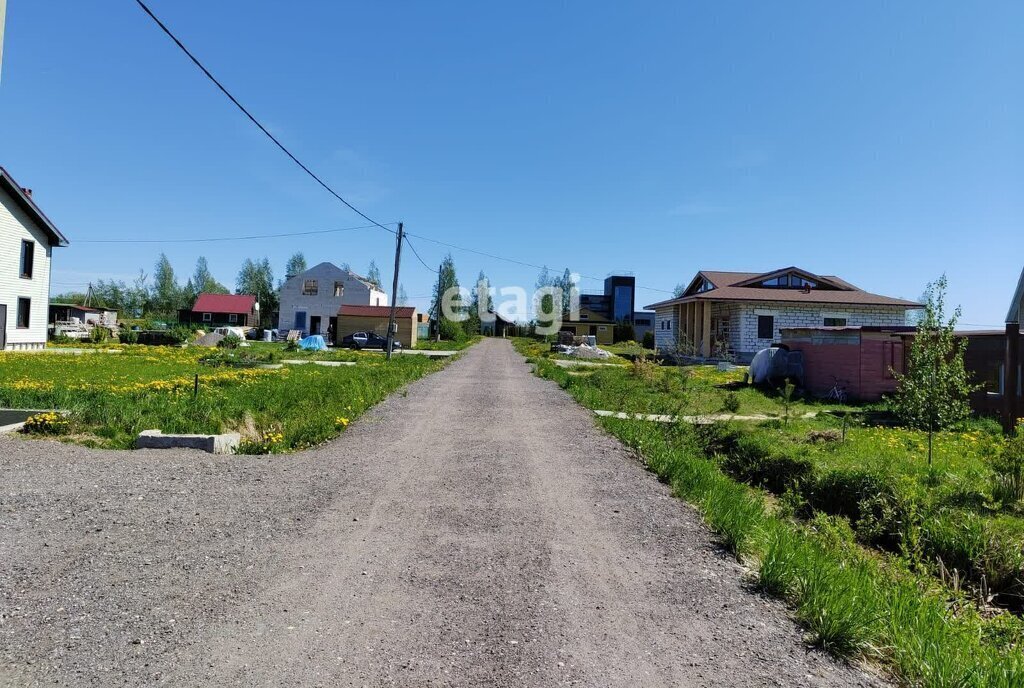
[478,530]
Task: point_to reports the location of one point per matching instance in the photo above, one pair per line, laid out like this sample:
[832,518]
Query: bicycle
[838,391]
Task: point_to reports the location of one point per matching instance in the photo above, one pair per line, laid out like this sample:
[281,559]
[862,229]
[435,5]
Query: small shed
[222,310]
[69,312]
[860,360]
[375,319]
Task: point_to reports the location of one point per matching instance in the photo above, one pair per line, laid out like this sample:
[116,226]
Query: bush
[648,340]
[179,334]
[98,335]
[731,403]
[128,336]
[451,330]
[230,341]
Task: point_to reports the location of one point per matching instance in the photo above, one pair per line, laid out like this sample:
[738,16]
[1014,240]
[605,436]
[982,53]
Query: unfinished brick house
[739,313]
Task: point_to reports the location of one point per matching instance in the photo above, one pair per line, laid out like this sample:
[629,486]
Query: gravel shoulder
[477,530]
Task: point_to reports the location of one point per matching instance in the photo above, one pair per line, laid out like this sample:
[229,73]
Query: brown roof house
[738,313]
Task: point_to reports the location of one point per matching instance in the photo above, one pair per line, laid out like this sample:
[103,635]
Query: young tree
[203,282]
[403,298]
[449,324]
[566,285]
[167,297]
[545,304]
[373,274]
[479,303]
[257,278]
[296,265]
[933,392]
[679,290]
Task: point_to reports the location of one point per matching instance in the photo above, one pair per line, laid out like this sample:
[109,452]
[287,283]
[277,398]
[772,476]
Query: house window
[835,322]
[309,288]
[766,327]
[643,322]
[24,311]
[339,289]
[28,249]
[584,317]
[207,317]
[232,318]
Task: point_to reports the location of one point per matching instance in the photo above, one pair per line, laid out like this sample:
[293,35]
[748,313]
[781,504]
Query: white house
[310,301]
[27,238]
[739,313]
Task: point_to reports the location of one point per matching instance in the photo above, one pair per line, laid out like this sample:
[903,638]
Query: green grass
[850,532]
[447,344]
[113,397]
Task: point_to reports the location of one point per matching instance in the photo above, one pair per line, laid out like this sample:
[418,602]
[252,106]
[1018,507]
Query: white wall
[16,226]
[743,336]
[324,304]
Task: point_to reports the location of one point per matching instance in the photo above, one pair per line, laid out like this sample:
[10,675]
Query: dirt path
[478,530]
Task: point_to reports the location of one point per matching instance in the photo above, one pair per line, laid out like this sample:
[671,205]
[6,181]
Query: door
[3,326]
[300,320]
[593,330]
[314,324]
[332,329]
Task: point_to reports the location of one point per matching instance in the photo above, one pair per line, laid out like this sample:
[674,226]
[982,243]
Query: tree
[166,297]
[403,298]
[933,392]
[545,302]
[566,284]
[257,278]
[296,265]
[678,290]
[449,320]
[373,274]
[479,303]
[203,282]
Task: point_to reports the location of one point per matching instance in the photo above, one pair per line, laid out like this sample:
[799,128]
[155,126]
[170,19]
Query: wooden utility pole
[394,289]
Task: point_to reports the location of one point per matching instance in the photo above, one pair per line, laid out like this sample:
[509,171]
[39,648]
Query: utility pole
[394,289]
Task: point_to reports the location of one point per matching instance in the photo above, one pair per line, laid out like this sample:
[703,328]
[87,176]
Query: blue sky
[878,141]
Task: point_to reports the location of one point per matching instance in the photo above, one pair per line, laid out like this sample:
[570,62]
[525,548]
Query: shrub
[98,335]
[230,341]
[128,336]
[179,334]
[731,403]
[451,330]
[48,423]
[644,370]
[648,341]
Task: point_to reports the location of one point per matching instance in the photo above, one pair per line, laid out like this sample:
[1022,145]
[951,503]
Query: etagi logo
[550,304]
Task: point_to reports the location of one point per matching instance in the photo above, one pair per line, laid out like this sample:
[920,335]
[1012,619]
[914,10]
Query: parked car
[367,340]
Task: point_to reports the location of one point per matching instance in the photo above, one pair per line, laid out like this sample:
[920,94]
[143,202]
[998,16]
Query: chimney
[27,192]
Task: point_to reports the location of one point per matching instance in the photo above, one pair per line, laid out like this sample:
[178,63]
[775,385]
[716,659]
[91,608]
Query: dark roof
[377,311]
[224,303]
[26,203]
[893,329]
[729,286]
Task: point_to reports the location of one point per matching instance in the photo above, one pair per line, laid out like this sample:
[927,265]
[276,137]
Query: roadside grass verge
[113,397]
[447,344]
[880,557]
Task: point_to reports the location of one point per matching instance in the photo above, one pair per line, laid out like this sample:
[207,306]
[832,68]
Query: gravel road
[477,530]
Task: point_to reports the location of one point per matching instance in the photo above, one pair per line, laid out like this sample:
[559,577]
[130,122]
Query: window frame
[28,258]
[841,322]
[771,320]
[306,287]
[232,318]
[207,317]
[339,290]
[28,314]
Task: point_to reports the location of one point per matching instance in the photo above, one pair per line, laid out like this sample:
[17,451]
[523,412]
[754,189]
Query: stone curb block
[214,444]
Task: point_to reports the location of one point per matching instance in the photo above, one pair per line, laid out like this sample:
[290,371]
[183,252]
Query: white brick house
[740,313]
[27,238]
[310,300]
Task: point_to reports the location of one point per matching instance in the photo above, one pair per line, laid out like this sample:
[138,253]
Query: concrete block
[215,444]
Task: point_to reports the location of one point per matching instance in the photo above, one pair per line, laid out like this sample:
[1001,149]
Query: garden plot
[109,400]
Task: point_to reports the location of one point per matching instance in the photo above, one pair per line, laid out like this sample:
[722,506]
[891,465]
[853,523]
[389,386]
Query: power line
[416,253]
[255,121]
[509,260]
[237,238]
